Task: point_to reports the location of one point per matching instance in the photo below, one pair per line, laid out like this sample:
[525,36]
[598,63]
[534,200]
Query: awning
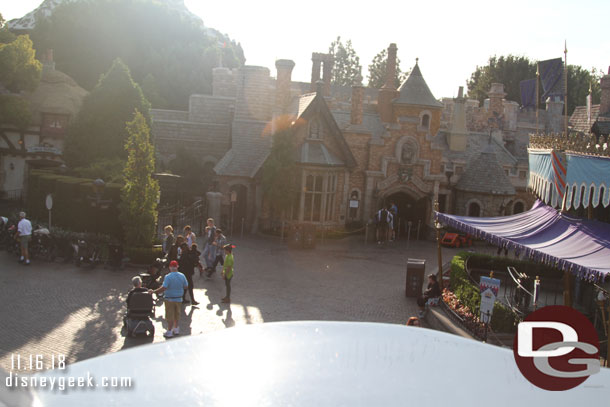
[585,178]
[547,236]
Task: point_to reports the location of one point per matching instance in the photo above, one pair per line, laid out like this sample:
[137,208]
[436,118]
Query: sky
[450,38]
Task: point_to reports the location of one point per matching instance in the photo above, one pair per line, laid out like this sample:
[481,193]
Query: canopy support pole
[567,289]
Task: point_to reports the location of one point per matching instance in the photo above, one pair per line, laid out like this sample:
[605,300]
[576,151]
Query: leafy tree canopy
[140,191]
[98,131]
[347,70]
[19,68]
[5,35]
[15,110]
[179,54]
[377,71]
[510,70]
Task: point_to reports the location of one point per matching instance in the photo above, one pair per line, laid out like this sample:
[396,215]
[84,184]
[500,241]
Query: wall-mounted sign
[353,203]
[43,149]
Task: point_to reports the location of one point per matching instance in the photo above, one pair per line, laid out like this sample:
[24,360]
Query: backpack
[140,327]
[383,217]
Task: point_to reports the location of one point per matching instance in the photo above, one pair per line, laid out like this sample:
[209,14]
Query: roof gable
[310,107]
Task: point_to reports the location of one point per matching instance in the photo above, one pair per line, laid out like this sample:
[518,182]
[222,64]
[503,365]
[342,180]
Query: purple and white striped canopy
[579,245]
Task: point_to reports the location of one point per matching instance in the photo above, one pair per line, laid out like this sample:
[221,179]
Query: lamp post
[438,228]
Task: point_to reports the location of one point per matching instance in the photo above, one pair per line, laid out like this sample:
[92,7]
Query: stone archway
[412,207]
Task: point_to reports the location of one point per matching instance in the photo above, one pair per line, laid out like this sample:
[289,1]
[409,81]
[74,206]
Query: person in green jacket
[227,271]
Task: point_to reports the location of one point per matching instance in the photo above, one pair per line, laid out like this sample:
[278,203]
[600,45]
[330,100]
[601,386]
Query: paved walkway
[52,309]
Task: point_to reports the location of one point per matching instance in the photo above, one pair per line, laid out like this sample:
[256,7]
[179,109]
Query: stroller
[139,310]
[153,279]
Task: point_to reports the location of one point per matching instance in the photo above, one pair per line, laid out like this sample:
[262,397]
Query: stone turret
[253,94]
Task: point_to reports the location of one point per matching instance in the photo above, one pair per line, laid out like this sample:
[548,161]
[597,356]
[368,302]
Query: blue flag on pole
[528,93]
[551,77]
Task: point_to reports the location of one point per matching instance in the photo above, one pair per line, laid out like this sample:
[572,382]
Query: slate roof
[602,125]
[251,147]
[476,143]
[485,175]
[315,153]
[415,91]
[578,120]
[299,104]
[371,123]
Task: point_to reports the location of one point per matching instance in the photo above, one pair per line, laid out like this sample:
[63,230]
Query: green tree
[152,92]
[510,70]
[98,131]
[579,81]
[15,110]
[179,53]
[377,71]
[280,170]
[138,210]
[5,35]
[347,70]
[19,68]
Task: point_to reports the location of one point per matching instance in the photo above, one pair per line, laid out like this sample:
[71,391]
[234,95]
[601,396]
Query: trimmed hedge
[72,206]
[503,319]
[143,255]
[500,263]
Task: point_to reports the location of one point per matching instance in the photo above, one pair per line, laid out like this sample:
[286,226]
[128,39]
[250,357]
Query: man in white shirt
[24,231]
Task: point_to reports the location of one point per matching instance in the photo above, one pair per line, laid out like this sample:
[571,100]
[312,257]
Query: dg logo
[556,348]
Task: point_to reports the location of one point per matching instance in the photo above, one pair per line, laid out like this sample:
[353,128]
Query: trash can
[416,269]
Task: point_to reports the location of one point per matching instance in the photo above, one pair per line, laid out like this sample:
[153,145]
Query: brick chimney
[316,59]
[604,103]
[282,85]
[390,73]
[328,73]
[357,100]
[388,91]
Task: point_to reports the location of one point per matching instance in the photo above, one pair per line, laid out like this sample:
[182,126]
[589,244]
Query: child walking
[227,271]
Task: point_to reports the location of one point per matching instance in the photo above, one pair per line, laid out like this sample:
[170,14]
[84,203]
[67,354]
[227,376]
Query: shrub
[143,255]
[503,319]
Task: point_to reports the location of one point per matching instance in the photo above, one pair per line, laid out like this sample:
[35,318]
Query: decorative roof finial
[416,61]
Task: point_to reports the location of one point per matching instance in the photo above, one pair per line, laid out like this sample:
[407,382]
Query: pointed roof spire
[415,91]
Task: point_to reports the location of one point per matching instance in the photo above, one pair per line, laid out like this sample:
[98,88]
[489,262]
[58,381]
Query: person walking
[189,236]
[24,232]
[173,286]
[186,265]
[394,211]
[227,271]
[174,251]
[169,239]
[220,243]
[209,251]
[382,219]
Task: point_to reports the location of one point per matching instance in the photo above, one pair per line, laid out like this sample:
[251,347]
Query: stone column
[214,200]
[357,101]
[282,85]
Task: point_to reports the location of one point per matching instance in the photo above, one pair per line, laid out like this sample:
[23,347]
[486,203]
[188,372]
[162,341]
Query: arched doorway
[474,210]
[411,210]
[239,208]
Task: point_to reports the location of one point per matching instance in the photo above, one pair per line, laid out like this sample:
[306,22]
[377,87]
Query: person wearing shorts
[173,286]
[24,229]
